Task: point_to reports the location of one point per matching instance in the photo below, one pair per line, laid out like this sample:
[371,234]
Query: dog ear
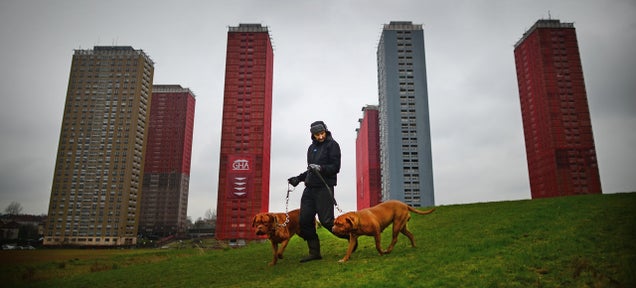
[273,218]
[350,221]
[254,220]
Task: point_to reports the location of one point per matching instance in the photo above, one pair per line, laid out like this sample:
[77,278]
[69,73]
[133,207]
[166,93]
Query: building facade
[405,138]
[557,128]
[96,190]
[368,187]
[164,205]
[246,131]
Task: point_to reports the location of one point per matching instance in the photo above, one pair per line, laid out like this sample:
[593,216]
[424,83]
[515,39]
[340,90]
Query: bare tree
[14,208]
[210,215]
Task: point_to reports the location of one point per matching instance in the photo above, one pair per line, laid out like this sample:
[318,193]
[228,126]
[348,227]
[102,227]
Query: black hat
[318,127]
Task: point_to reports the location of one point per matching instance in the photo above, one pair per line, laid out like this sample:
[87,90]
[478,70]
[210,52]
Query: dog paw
[342,260]
[280,256]
[271,264]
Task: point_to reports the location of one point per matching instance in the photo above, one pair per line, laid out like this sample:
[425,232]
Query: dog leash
[290,188]
[333,198]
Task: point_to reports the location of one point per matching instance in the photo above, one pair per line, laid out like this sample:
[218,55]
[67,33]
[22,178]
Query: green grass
[582,241]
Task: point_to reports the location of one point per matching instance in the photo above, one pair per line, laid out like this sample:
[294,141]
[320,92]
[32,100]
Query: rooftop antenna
[549,16]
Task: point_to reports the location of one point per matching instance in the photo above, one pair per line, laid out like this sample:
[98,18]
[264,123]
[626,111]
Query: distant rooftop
[402,25]
[170,88]
[370,107]
[248,28]
[113,50]
[544,23]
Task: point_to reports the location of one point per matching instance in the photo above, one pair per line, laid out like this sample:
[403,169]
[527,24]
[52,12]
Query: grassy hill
[582,241]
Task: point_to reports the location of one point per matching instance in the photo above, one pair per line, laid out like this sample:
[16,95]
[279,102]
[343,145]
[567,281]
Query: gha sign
[240,174]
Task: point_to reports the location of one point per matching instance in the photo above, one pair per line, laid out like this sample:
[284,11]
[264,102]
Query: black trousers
[315,200]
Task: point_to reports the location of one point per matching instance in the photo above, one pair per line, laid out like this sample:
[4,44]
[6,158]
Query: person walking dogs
[323,160]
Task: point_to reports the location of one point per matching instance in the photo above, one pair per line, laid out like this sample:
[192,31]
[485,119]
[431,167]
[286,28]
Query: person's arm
[333,165]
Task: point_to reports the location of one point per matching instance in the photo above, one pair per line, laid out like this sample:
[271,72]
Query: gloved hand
[293,181]
[314,167]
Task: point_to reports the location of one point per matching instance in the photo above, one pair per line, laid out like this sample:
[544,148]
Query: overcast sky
[324,69]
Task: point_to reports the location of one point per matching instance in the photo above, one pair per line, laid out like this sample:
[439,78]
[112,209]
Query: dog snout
[260,229]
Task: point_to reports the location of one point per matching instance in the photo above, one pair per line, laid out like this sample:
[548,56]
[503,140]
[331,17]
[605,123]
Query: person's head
[318,131]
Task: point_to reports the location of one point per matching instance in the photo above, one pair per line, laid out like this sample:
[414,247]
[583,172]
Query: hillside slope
[582,241]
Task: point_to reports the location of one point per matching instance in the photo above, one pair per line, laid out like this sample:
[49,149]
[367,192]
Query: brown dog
[277,230]
[372,221]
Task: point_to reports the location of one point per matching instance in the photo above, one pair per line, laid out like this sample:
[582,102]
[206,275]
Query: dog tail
[420,211]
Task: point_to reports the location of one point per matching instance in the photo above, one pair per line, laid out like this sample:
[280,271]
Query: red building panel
[246,132]
[556,121]
[169,145]
[165,189]
[368,184]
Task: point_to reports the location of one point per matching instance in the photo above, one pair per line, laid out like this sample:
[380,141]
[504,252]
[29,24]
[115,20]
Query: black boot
[314,251]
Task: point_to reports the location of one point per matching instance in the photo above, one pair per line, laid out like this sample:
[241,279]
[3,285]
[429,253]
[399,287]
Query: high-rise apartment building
[556,120]
[164,205]
[246,131]
[368,188]
[405,138]
[96,190]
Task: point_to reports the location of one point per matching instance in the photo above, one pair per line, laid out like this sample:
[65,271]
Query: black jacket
[327,155]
